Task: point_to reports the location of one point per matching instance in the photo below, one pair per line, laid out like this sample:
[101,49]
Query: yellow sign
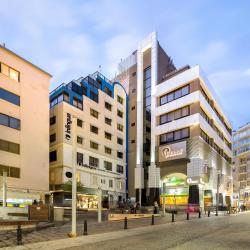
[175,200]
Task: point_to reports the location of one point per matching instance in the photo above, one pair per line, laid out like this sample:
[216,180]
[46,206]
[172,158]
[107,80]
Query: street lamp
[217,194]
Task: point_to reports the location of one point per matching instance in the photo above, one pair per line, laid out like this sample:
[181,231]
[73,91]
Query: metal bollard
[199,214]
[208,213]
[187,215]
[172,216]
[153,220]
[19,235]
[125,223]
[85,228]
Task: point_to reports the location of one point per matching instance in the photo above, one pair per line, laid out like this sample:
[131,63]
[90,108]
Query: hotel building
[88,127]
[24,128]
[241,150]
[179,137]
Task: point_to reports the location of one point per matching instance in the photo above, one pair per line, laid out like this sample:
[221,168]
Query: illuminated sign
[68,126]
[172,151]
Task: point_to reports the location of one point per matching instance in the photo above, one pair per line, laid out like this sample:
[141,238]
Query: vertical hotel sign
[173,151]
[67,127]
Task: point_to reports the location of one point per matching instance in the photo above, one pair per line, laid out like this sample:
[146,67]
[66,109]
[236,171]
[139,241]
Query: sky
[71,38]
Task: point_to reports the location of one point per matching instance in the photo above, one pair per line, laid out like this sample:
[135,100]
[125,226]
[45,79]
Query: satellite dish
[68,174]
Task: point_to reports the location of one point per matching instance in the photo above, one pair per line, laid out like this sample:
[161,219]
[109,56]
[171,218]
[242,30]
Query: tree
[67,186]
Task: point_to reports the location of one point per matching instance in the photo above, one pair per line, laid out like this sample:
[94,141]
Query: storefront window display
[87,201]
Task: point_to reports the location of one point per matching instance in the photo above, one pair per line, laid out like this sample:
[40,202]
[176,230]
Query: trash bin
[58,213]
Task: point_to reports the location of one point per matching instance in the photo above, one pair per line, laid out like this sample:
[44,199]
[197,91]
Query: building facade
[88,127]
[24,129]
[181,147]
[241,150]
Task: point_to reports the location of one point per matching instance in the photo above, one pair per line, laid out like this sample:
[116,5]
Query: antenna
[100,68]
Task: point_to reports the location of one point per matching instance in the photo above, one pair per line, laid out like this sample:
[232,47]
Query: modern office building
[24,128]
[241,151]
[88,127]
[179,137]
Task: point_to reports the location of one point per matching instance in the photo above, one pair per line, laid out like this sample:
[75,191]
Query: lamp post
[99,205]
[74,185]
[217,193]
[4,189]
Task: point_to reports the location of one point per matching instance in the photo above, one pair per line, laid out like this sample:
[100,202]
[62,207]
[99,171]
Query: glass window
[108,121]
[108,106]
[120,99]
[147,73]
[94,145]
[185,111]
[79,157]
[177,94]
[108,165]
[79,123]
[108,150]
[148,101]
[53,156]
[185,90]
[170,117]
[108,136]
[147,83]
[119,154]
[177,114]
[79,140]
[163,119]
[14,74]
[52,138]
[10,97]
[185,133]
[4,69]
[93,129]
[60,98]
[119,113]
[110,183]
[52,120]
[119,169]
[120,127]
[4,120]
[170,97]
[94,162]
[163,99]
[177,135]
[170,137]
[147,92]
[94,113]
[120,141]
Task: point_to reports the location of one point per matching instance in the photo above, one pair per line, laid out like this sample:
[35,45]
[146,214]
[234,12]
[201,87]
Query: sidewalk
[49,235]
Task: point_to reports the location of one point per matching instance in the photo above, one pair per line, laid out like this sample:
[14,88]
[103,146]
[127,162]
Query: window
[133,74]
[108,121]
[62,97]
[9,147]
[119,154]
[174,95]
[94,113]
[79,140]
[132,141]
[174,115]
[119,126]
[93,96]
[53,156]
[9,121]
[174,136]
[52,138]
[132,124]
[52,120]
[10,72]
[120,99]
[133,90]
[79,158]
[148,129]
[9,97]
[94,145]
[79,123]
[120,141]
[108,136]
[108,106]
[108,165]
[119,113]
[119,169]
[11,171]
[93,129]
[93,162]
[108,150]
[133,108]
[108,91]
[110,183]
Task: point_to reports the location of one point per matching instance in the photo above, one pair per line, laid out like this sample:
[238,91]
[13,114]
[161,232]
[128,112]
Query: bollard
[172,216]
[153,220]
[187,215]
[125,223]
[85,228]
[19,235]
[208,213]
[199,214]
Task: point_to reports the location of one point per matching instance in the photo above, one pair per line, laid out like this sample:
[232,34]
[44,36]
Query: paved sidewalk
[60,232]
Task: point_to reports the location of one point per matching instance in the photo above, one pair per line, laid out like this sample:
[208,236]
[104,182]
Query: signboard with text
[173,151]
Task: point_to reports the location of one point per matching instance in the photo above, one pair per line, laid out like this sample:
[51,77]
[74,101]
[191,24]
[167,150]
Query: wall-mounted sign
[173,151]
[68,127]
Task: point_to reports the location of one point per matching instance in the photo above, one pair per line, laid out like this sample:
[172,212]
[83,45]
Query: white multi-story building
[241,150]
[96,141]
[182,136]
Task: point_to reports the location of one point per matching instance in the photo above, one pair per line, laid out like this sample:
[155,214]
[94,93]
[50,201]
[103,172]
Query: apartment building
[179,137]
[241,151]
[88,127]
[24,128]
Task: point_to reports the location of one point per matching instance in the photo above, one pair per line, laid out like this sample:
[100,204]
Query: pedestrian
[156,207]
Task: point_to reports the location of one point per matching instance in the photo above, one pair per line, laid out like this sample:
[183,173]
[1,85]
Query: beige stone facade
[24,129]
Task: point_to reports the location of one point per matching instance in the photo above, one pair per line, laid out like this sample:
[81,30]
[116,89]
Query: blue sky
[70,39]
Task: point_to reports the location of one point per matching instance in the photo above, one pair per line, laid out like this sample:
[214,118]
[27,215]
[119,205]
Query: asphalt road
[224,232]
